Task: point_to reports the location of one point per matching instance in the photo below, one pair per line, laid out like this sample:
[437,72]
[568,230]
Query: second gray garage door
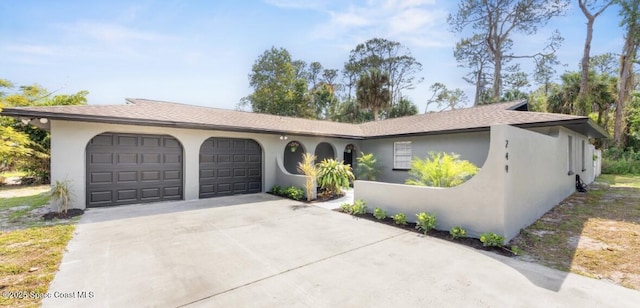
[230,166]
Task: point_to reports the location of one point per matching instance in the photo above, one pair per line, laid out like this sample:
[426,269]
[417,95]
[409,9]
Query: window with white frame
[584,153]
[570,155]
[402,155]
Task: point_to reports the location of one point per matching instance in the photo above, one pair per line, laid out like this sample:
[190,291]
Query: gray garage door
[230,166]
[133,168]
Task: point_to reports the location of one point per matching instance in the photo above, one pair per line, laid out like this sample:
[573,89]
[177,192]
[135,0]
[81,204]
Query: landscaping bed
[505,250]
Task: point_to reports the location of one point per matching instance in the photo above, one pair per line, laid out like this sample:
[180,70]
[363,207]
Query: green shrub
[295,193]
[367,167]
[399,219]
[618,161]
[440,170]
[379,214]
[457,232]
[425,222]
[491,239]
[276,190]
[359,208]
[291,192]
[334,175]
[346,208]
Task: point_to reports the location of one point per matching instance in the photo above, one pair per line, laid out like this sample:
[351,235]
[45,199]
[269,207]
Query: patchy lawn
[596,234]
[30,249]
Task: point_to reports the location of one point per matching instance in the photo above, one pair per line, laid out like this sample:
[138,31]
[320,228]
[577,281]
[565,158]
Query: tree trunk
[375,113]
[476,100]
[497,78]
[625,82]
[584,84]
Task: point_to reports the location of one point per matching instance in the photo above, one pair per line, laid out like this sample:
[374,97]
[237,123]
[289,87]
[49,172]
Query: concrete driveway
[263,251]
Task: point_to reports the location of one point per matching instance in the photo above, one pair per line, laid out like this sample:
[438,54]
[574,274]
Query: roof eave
[146,122]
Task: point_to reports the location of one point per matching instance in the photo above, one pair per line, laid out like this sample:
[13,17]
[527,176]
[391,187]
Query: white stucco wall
[477,205]
[538,177]
[470,146]
[69,141]
[497,199]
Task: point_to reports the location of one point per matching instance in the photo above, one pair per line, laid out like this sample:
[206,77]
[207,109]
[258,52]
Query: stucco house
[148,151]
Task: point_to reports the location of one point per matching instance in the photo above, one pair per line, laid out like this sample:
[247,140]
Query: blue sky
[200,52]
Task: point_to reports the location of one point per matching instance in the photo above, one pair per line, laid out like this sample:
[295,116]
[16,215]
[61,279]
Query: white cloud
[113,33]
[32,49]
[419,22]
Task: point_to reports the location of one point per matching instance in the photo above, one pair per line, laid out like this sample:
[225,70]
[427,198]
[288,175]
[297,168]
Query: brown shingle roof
[149,112]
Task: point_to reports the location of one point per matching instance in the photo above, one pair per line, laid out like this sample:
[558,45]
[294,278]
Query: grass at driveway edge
[31,254]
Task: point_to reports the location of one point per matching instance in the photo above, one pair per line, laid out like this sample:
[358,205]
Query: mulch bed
[444,235]
[69,214]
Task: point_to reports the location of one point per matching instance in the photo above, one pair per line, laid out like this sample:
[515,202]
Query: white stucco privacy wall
[526,173]
[477,205]
[69,140]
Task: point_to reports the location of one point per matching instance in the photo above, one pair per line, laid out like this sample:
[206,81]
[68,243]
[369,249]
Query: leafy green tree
[388,57]
[472,53]
[601,98]
[403,108]
[605,63]
[497,21]
[445,99]
[373,92]
[279,85]
[26,147]
[440,170]
[349,111]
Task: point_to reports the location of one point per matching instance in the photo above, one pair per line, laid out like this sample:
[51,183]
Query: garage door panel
[102,140]
[101,159]
[150,193]
[153,158]
[127,158]
[127,140]
[236,165]
[224,159]
[253,172]
[127,195]
[143,168]
[172,158]
[150,142]
[147,176]
[101,196]
[174,191]
[224,188]
[172,175]
[127,176]
[224,173]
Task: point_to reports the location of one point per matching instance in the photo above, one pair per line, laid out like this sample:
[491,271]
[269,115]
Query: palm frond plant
[367,167]
[440,170]
[308,167]
[61,194]
[333,175]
